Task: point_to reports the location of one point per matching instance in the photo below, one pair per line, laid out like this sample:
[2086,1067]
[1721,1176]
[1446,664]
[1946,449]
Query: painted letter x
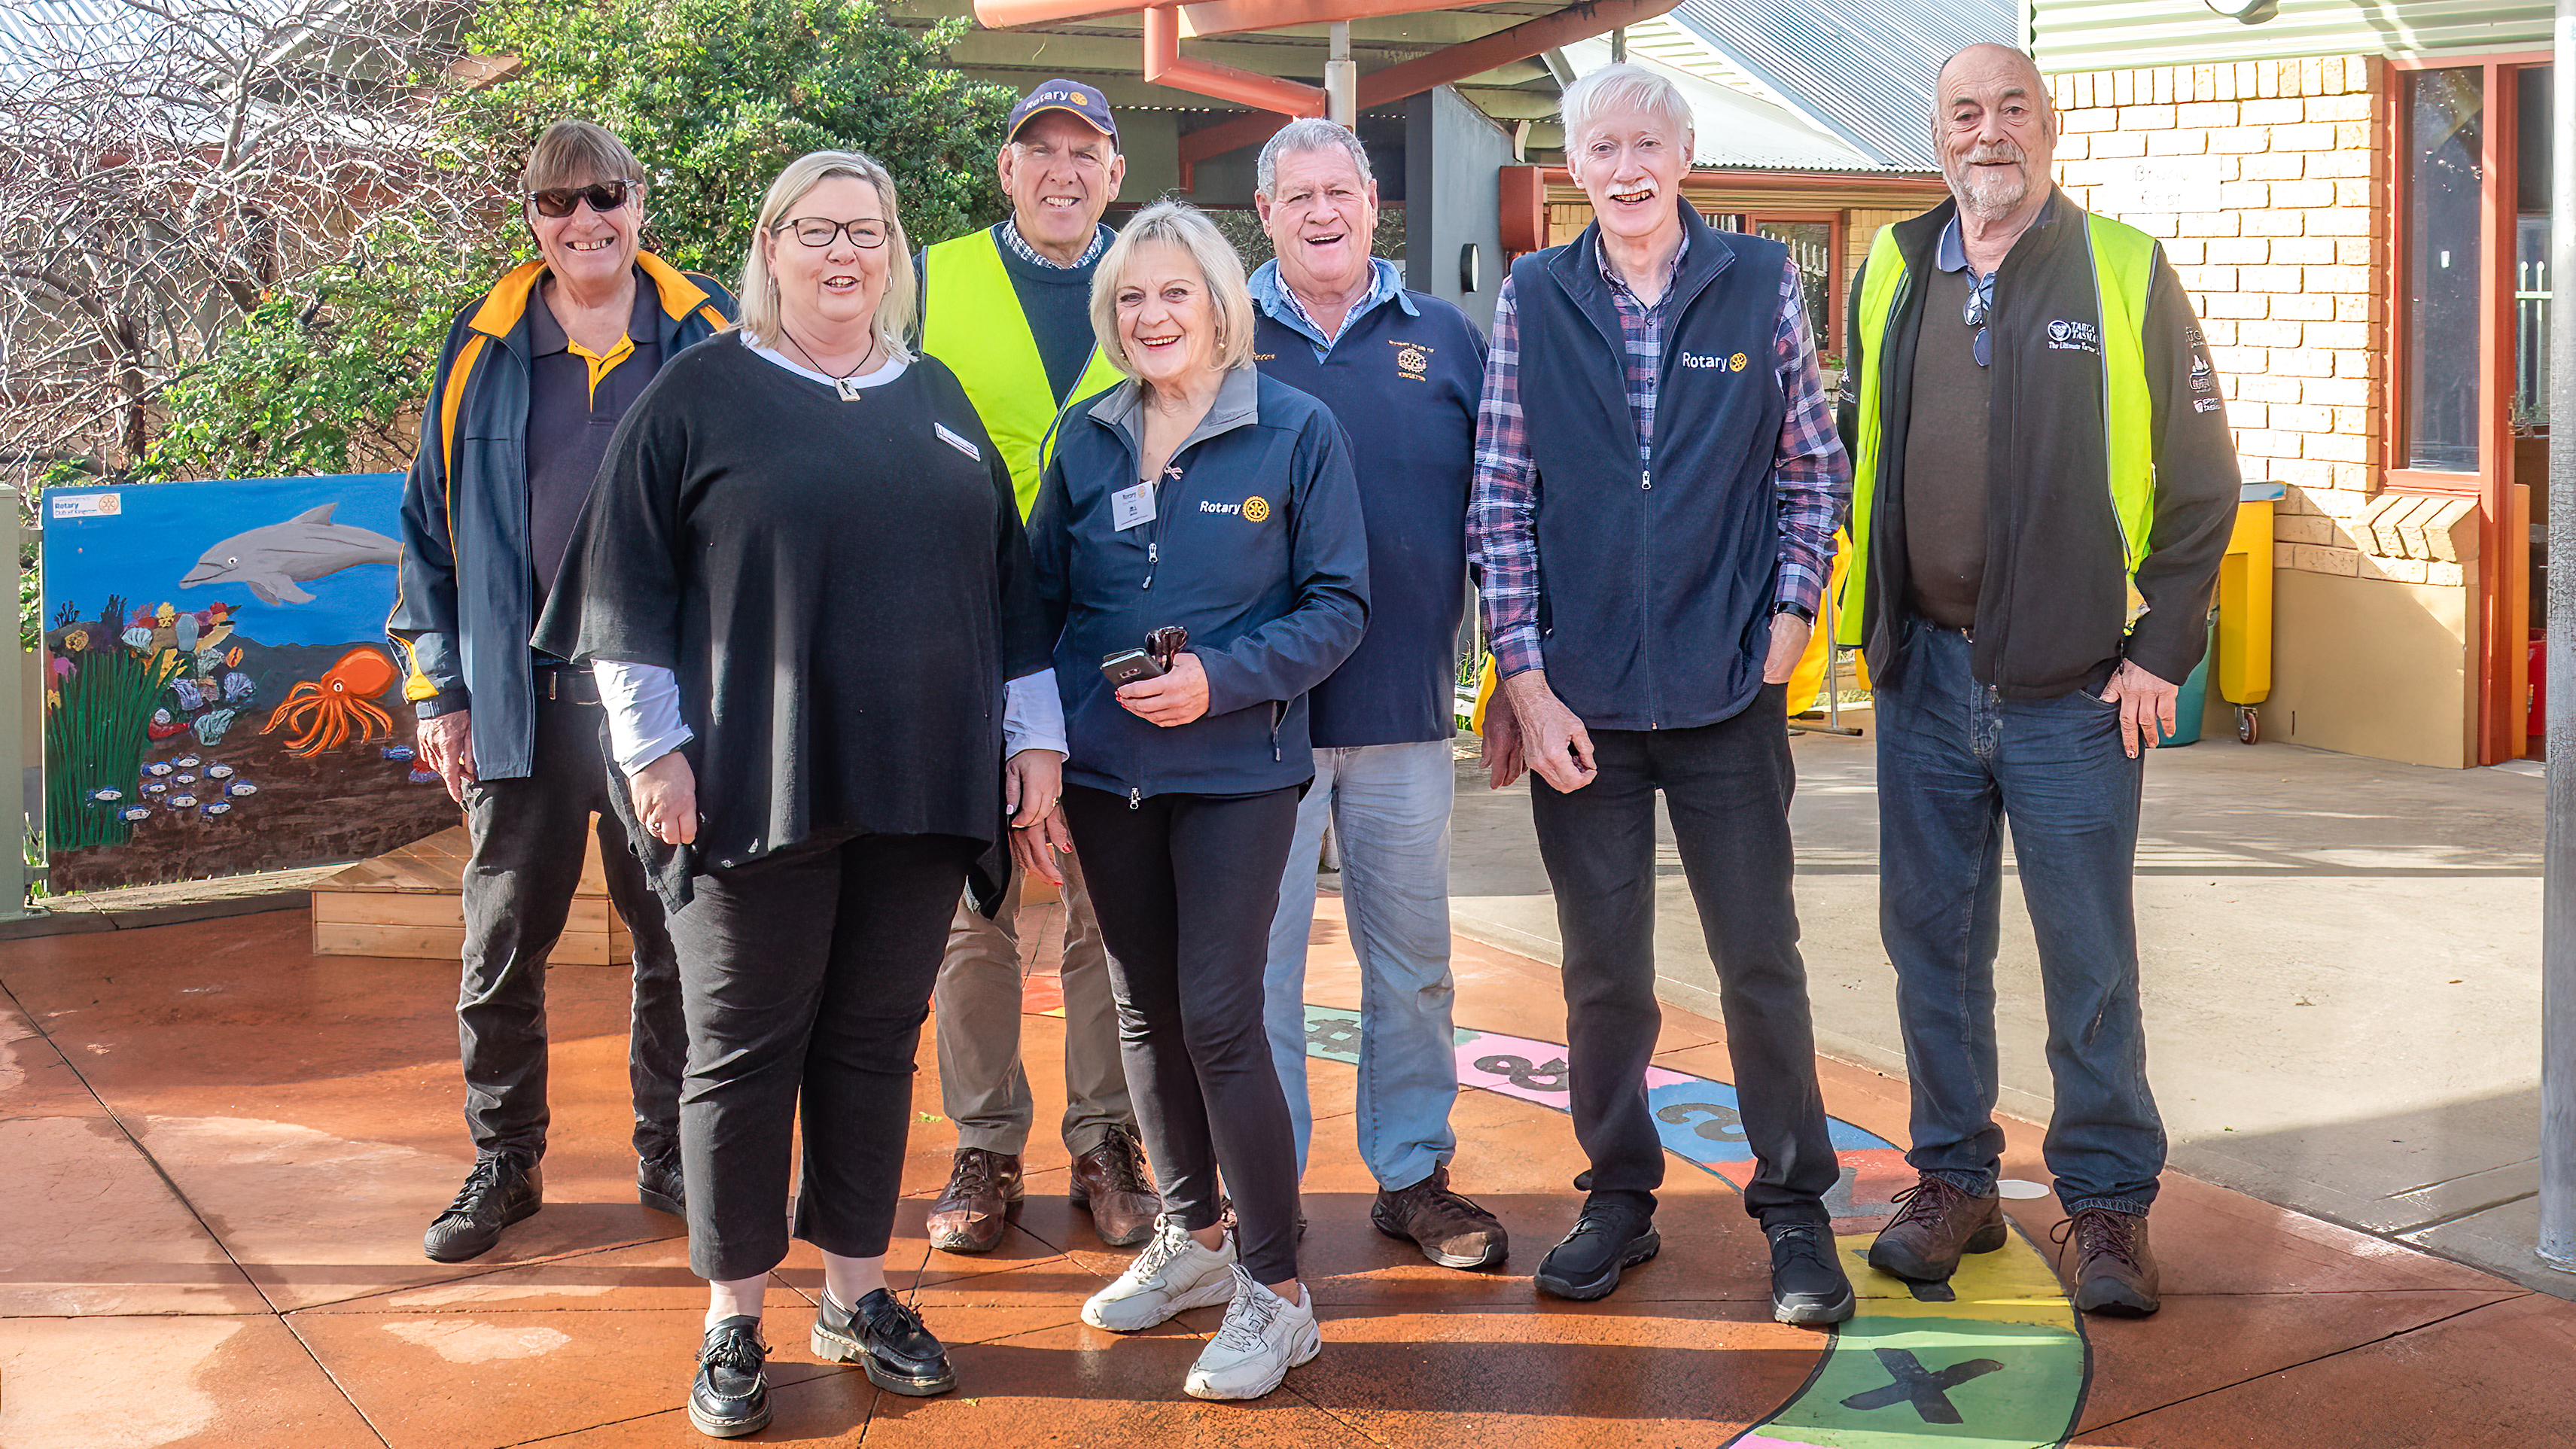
[1927,1389]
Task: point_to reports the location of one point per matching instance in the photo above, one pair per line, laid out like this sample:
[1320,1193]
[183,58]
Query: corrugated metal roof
[1732,125]
[2080,35]
[1863,71]
[34,33]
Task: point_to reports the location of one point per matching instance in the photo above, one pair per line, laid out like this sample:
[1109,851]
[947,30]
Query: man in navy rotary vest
[1654,529]
[1401,371]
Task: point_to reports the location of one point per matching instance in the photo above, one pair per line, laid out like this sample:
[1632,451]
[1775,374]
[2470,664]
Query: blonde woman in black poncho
[802,585]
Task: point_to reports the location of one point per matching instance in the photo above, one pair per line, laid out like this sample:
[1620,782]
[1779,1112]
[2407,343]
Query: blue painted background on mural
[160,532]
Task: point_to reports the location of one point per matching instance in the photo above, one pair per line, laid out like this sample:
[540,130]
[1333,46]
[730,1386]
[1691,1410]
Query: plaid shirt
[1809,470]
[1019,245]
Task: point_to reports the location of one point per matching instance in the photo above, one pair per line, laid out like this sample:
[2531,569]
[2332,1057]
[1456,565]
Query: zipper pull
[1646,479]
[1153,559]
[1135,798]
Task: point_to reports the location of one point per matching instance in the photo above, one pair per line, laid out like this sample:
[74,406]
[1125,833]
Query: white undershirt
[643,700]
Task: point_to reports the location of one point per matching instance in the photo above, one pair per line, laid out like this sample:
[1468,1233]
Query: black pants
[807,974]
[1727,786]
[1185,886]
[518,889]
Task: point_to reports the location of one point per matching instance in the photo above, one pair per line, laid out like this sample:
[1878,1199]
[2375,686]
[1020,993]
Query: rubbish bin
[2243,648]
[2193,698]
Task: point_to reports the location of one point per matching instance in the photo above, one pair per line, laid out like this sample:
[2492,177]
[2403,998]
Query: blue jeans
[1389,805]
[1956,763]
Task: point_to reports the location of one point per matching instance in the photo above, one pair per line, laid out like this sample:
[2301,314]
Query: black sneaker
[1606,1241]
[657,1185]
[888,1340]
[730,1397]
[1807,1280]
[501,1190]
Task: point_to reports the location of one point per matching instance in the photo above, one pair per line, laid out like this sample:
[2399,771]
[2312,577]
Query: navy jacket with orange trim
[466,603]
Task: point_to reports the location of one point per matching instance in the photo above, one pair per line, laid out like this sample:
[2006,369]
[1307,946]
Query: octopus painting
[328,710]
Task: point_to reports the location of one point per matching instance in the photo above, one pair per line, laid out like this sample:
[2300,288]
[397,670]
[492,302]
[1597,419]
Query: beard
[1984,191]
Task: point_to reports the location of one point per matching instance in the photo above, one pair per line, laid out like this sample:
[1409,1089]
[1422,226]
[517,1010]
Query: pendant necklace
[845,383]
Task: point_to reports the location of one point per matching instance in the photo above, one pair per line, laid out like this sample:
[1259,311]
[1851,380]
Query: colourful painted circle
[1995,1359]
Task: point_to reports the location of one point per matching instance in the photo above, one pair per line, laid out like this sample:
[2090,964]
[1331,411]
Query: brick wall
[2289,266]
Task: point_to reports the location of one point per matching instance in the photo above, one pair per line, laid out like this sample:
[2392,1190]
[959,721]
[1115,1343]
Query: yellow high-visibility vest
[972,322]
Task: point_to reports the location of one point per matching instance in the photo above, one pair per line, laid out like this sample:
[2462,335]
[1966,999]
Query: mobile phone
[1129,665]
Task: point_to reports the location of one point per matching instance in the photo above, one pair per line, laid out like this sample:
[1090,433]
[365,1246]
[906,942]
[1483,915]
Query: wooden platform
[409,903]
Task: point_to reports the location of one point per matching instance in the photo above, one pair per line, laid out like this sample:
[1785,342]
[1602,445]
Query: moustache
[1999,151]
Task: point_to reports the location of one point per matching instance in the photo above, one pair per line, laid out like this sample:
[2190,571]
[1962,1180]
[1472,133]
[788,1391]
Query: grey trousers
[982,1083]
[518,888]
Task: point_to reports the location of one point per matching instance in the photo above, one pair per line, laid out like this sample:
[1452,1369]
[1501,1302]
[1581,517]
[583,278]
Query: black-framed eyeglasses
[603,196]
[1981,300]
[814,231]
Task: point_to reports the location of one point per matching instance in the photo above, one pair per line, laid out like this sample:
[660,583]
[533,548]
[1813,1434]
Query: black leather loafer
[888,1340]
[730,1397]
[1607,1241]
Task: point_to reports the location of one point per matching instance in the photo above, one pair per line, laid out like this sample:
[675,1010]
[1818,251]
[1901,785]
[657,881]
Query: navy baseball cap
[1064,95]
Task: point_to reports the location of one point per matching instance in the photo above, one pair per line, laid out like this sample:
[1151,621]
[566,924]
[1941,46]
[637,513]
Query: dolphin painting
[272,561]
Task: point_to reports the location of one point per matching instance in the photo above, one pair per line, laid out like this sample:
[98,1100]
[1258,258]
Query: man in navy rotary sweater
[1401,371]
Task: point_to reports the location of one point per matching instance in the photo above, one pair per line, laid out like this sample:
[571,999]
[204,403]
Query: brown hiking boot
[2115,1274]
[1450,1230]
[1109,1180]
[983,1191]
[1923,1242]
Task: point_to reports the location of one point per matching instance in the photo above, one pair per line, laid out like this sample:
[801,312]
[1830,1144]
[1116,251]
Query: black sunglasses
[604,196]
[1981,294]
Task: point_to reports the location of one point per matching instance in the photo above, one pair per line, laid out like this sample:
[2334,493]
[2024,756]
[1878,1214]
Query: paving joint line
[2088,1430]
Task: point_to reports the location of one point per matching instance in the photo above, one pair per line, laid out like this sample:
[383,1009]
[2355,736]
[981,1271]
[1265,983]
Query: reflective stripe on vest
[972,322]
[2123,261]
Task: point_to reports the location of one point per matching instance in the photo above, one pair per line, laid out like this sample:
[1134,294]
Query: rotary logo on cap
[1068,96]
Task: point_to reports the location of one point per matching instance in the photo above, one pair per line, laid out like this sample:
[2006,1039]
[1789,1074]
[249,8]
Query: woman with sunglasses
[535,377]
[802,585]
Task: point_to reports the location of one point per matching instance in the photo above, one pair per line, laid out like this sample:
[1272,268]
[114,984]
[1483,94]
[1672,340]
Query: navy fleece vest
[1404,388]
[1655,583]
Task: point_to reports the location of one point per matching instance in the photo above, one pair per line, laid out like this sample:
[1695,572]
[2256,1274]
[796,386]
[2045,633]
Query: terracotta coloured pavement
[220,1151]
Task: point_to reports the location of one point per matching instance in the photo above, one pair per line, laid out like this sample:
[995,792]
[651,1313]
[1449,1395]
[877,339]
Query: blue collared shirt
[1952,256]
[1272,296]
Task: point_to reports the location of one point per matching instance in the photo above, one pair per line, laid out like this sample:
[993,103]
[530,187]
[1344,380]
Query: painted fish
[244,787]
[158,768]
[398,752]
[183,779]
[423,777]
[186,762]
[273,561]
[106,797]
[219,772]
[156,788]
[218,808]
[135,812]
[183,802]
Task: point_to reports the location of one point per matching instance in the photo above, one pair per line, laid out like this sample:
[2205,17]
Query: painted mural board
[219,693]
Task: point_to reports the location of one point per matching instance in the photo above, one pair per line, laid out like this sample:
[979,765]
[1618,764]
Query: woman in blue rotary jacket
[1199,495]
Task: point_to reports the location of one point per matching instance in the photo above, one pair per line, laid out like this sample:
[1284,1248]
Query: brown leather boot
[973,1210]
[1451,1231]
[1109,1180]
[2115,1274]
[1923,1242]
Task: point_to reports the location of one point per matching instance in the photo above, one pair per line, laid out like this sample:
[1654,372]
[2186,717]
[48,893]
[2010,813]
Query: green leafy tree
[326,375]
[716,96]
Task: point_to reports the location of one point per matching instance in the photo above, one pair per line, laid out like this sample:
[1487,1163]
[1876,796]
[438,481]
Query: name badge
[959,443]
[1131,506]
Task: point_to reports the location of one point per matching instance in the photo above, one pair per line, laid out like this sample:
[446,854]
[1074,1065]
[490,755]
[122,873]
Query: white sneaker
[1170,1275]
[1263,1337]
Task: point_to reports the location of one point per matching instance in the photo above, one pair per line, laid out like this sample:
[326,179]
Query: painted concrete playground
[223,1149]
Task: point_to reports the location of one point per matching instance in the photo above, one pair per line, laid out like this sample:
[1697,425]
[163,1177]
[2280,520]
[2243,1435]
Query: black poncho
[840,587]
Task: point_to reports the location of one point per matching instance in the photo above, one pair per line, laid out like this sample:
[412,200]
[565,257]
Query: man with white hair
[1682,485]
[1400,371]
[2045,485]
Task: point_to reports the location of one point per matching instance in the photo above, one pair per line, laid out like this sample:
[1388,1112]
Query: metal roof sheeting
[2081,35]
[1862,71]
